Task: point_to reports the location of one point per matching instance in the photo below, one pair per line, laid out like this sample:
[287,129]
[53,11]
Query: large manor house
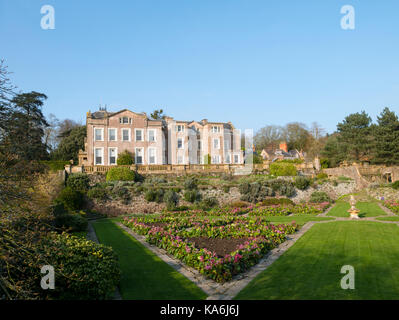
[157,142]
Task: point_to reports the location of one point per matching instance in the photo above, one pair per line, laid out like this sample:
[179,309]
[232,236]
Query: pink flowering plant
[393,205]
[241,228]
[284,210]
[219,211]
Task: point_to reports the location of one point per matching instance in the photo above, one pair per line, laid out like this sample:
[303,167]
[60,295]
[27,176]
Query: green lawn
[367,209]
[310,269]
[144,275]
[388,218]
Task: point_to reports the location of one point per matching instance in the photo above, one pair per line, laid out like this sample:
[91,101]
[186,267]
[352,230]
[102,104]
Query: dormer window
[215,129]
[125,120]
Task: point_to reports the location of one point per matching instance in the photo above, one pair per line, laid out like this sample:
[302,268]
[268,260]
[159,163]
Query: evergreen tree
[334,151]
[71,142]
[26,126]
[355,136]
[387,138]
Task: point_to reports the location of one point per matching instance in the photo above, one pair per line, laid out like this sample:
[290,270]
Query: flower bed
[253,238]
[224,211]
[284,210]
[311,208]
[239,228]
[392,205]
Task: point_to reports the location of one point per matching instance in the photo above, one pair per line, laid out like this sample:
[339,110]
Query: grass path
[144,275]
[311,268]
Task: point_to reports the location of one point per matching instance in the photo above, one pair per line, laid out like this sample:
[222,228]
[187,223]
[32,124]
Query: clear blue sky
[251,62]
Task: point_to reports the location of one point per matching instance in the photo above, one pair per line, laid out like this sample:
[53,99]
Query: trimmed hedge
[125,158]
[78,182]
[283,169]
[121,174]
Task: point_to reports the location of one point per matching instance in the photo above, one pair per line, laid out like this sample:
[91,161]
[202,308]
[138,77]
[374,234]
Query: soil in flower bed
[157,224]
[220,246]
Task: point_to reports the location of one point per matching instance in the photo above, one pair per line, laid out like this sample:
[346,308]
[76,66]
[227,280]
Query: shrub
[125,158]
[324,163]
[319,197]
[72,200]
[192,196]
[190,184]
[84,269]
[226,189]
[208,203]
[395,185]
[207,159]
[121,174]
[171,199]
[244,188]
[150,195]
[176,189]
[122,193]
[71,222]
[78,182]
[302,183]
[58,209]
[322,175]
[98,193]
[154,195]
[283,169]
[282,187]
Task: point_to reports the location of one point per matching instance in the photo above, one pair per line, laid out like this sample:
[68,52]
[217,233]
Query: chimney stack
[283,146]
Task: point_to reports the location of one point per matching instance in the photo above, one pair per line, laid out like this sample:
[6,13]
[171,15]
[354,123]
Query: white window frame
[182,159]
[215,129]
[135,134]
[155,135]
[116,134]
[129,135]
[213,143]
[155,155]
[129,120]
[180,126]
[135,155]
[102,156]
[238,158]
[217,157]
[228,158]
[182,143]
[102,134]
[109,156]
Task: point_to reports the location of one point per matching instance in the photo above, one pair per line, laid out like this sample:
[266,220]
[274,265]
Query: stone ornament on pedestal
[353,211]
